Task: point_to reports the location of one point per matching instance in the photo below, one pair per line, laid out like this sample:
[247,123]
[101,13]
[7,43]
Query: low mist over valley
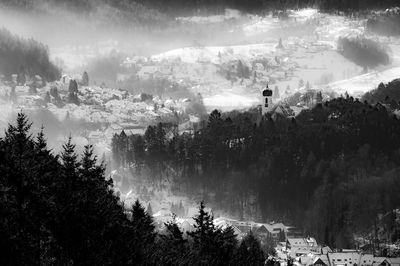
[146,132]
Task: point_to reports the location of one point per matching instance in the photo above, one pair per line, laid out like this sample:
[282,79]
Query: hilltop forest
[330,171]
[177,6]
[25,57]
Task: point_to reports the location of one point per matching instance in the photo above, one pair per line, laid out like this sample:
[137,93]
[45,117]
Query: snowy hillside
[311,58]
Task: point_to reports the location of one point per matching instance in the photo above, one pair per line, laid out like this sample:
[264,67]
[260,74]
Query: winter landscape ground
[173,105]
[308,59]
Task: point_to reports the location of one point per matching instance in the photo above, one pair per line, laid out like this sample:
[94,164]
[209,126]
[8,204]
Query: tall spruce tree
[85,79]
[242,255]
[175,248]
[73,86]
[61,211]
[145,234]
[255,254]
[207,239]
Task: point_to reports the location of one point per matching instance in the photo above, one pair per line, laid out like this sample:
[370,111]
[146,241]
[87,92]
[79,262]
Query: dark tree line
[355,5]
[388,94]
[119,11]
[364,52]
[178,6]
[314,171]
[25,57]
[62,210]
[385,23]
[256,5]
[73,92]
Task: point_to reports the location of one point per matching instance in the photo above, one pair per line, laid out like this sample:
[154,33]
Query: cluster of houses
[278,232]
[261,67]
[112,110]
[208,70]
[306,252]
[291,247]
[345,258]
[144,68]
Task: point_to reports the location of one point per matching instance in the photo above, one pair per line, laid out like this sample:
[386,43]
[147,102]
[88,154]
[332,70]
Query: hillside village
[115,110]
[193,76]
[216,71]
[218,77]
[108,110]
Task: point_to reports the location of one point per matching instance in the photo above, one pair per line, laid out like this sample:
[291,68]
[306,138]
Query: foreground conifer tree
[58,210]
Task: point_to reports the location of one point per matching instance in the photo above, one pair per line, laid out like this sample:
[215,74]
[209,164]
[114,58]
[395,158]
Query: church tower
[267,100]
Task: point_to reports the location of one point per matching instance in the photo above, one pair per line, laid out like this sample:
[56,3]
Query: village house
[146,72]
[154,71]
[95,136]
[186,127]
[186,225]
[121,77]
[346,258]
[166,69]
[37,81]
[21,90]
[278,229]
[318,261]
[29,100]
[301,246]
[282,110]
[383,261]
[65,79]
[134,61]
[264,232]
[313,260]
[224,223]
[355,258]
[258,67]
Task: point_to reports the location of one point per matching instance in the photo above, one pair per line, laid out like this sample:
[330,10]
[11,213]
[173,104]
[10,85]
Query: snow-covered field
[231,101]
[209,54]
[358,85]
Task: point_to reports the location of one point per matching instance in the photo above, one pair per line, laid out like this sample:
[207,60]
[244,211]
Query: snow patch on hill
[229,14]
[227,101]
[358,85]
[210,54]
[304,14]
